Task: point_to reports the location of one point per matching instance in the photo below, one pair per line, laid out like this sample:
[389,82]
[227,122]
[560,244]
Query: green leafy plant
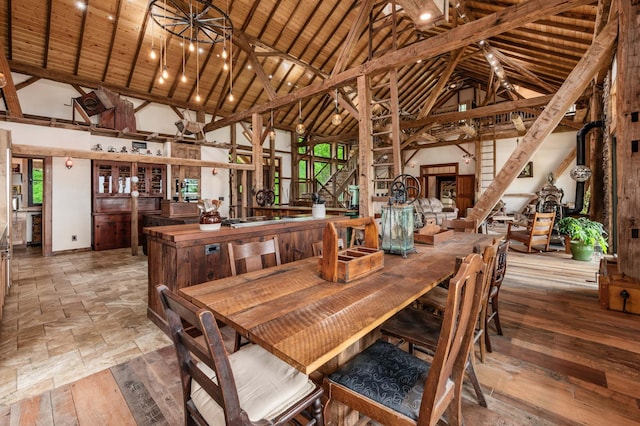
[582,229]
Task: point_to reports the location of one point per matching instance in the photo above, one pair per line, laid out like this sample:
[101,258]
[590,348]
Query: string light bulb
[336,119]
[272,132]
[300,129]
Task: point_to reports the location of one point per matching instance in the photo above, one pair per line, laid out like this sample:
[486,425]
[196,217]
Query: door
[465,196]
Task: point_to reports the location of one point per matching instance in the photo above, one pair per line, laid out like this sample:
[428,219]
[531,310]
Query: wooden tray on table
[432,234]
[355,262]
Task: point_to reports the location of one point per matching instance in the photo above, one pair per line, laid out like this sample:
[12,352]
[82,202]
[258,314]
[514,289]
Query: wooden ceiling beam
[443,80]
[94,84]
[487,27]
[486,111]
[595,58]
[243,43]
[9,91]
[352,37]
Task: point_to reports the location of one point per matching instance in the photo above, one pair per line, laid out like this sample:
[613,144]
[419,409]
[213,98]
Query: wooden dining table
[291,311]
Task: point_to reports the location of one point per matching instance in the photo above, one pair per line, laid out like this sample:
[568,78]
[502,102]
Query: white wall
[548,157]
[71,204]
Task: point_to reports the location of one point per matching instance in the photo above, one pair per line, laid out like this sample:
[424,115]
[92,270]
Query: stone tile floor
[70,315]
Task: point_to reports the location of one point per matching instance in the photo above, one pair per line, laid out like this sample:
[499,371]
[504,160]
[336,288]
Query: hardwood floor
[562,361]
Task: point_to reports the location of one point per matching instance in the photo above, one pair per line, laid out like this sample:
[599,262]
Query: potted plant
[584,235]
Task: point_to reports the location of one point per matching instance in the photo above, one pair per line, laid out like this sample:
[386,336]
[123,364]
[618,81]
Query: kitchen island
[183,255]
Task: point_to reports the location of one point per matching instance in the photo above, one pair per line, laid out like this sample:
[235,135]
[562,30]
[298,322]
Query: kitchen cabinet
[111,208]
[36,229]
[18,230]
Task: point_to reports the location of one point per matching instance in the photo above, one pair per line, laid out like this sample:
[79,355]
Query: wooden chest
[616,291]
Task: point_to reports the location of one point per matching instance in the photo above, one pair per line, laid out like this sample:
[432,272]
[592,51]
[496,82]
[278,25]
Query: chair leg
[471,371]
[483,345]
[496,314]
[487,340]
[316,412]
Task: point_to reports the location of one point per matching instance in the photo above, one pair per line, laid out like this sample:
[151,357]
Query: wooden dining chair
[536,232]
[394,387]
[492,309]
[433,300]
[252,257]
[247,387]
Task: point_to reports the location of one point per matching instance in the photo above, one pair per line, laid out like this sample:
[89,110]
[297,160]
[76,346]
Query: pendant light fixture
[272,132]
[194,23]
[336,119]
[300,129]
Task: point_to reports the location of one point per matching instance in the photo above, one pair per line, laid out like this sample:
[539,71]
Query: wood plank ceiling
[295,44]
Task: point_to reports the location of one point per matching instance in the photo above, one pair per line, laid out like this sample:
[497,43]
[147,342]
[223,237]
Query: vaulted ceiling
[284,46]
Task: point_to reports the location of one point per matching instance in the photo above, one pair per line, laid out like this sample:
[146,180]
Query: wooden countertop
[179,234]
[307,321]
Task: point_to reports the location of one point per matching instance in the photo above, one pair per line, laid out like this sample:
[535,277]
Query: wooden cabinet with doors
[180,173]
[111,203]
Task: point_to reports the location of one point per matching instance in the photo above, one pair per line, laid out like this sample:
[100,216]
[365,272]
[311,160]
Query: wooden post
[628,139]
[256,142]
[134,210]
[365,155]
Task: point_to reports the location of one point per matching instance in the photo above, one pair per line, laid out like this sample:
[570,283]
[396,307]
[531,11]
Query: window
[36,179]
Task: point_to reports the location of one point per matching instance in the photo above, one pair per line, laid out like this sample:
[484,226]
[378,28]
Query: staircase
[335,191]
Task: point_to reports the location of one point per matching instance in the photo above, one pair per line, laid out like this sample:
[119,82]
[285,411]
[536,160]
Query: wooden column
[134,212]
[628,139]
[365,141]
[234,197]
[395,124]
[256,142]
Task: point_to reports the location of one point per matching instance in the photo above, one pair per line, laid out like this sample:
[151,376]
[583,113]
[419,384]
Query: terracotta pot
[210,221]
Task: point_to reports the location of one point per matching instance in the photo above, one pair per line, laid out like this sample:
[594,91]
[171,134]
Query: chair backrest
[501,264]
[456,335]
[252,253]
[489,256]
[542,224]
[461,225]
[178,312]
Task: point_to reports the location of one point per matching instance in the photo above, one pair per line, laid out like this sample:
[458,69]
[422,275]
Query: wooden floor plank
[142,405]
[99,401]
[64,410]
[561,361]
[32,411]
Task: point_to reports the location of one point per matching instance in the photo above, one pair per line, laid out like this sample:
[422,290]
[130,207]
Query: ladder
[487,164]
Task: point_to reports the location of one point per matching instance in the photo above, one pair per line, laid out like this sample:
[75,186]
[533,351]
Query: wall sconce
[300,129]
[467,158]
[69,163]
[214,171]
[3,80]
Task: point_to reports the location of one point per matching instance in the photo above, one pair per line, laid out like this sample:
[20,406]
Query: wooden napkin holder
[354,262]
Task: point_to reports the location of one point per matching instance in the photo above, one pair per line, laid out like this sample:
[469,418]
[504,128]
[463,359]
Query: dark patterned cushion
[388,375]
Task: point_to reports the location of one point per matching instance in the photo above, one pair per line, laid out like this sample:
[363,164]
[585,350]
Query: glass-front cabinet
[111,208]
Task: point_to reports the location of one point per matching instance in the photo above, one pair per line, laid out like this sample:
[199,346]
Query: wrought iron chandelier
[194,22]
